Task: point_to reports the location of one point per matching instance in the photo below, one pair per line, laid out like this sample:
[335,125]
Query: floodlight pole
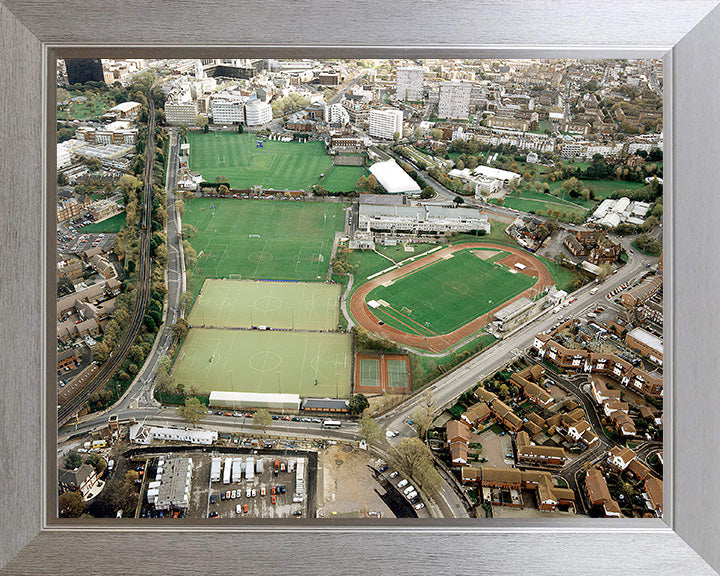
[232,389]
[251,320]
[292,318]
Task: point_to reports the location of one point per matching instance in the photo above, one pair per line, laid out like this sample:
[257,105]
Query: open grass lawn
[277,165]
[262,239]
[343,178]
[246,303]
[544,207]
[112,225]
[602,188]
[306,363]
[95,105]
[448,294]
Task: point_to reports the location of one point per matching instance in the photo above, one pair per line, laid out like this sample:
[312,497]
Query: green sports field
[266,361]
[281,240]
[448,294]
[245,303]
[343,178]
[112,224]
[277,165]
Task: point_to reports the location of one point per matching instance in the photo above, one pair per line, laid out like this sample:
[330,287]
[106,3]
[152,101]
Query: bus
[331,424]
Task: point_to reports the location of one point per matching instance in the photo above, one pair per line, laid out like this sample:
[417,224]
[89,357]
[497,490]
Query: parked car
[213,499]
[262,491]
[233,494]
[412,495]
[409,490]
[273,499]
[393,474]
[402,483]
[248,493]
[254,493]
[222,496]
[419,506]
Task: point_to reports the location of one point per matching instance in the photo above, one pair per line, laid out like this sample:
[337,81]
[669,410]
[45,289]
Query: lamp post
[292,318]
[251,320]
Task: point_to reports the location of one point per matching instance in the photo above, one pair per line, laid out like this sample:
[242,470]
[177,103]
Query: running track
[363,316]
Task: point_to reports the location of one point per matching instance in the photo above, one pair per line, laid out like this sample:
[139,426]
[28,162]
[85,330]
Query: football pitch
[343,178]
[313,364]
[245,303]
[261,239]
[447,294]
[276,165]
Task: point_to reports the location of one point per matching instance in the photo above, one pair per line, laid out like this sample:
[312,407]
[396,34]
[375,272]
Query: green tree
[240,128]
[192,410]
[413,457]
[72,460]
[358,403]
[201,121]
[70,504]
[424,415]
[370,430]
[262,419]
[97,462]
[396,137]
[436,134]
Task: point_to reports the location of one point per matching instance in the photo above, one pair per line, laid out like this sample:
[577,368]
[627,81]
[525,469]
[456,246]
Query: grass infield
[245,303]
[447,294]
[266,361]
[277,165]
[280,240]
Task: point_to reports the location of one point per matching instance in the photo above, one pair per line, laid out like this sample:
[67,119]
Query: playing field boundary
[368,320]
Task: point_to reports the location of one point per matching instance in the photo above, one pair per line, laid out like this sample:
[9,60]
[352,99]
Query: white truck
[259,466]
[250,469]
[227,472]
[215,469]
[237,467]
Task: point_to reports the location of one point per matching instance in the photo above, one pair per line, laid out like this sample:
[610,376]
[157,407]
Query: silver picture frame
[683,32]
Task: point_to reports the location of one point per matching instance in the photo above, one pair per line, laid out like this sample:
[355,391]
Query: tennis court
[397,373]
[280,240]
[369,372]
[306,363]
[275,165]
[447,294]
[245,303]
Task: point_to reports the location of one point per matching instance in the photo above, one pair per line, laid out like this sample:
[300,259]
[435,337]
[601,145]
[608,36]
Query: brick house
[620,457]
[83,479]
[457,436]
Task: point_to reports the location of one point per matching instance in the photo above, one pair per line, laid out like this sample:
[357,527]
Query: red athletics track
[363,316]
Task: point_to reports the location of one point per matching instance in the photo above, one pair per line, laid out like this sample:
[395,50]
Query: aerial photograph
[359,289]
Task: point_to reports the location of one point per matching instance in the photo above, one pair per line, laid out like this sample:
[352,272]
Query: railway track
[72,405]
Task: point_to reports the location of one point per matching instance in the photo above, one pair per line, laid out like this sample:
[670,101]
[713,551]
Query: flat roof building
[254,400]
